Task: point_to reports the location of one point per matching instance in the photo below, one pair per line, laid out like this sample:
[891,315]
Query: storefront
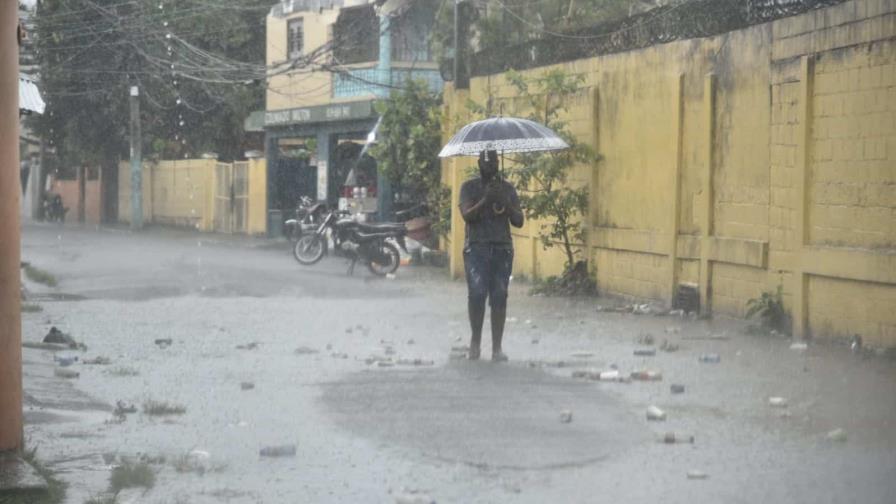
[319,152]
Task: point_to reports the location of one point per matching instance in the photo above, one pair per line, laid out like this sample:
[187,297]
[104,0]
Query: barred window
[295,36]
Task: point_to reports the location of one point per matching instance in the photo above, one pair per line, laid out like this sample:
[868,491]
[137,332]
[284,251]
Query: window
[295,38]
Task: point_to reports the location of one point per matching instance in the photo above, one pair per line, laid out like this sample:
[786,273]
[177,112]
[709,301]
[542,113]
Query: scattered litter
[697,475]
[656,414]
[59,337]
[349,330]
[164,342]
[676,388]
[415,362]
[669,347]
[676,313]
[535,341]
[65,373]
[122,409]
[373,359]
[799,346]
[278,451]
[645,352]
[645,339]
[646,375]
[581,354]
[837,435]
[339,355]
[778,402]
[710,358]
[248,346]
[385,363]
[247,385]
[98,361]
[66,361]
[672,330]
[566,416]
[611,375]
[389,350]
[671,438]
[641,309]
[329,346]
[512,319]
[411,341]
[303,350]
[390,276]
[528,322]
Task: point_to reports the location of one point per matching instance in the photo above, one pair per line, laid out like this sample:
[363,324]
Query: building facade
[330,61]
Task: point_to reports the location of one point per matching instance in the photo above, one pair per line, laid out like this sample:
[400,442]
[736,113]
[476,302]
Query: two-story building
[329,61]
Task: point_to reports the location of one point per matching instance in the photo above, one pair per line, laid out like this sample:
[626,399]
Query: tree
[193,61]
[505,23]
[408,141]
[547,195]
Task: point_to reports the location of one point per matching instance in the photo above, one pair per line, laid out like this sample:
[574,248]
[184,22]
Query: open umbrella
[503,134]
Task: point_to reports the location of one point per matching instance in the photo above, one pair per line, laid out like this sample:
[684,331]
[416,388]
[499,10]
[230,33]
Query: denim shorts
[488,268]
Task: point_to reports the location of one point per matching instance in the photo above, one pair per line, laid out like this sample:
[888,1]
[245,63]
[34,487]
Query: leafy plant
[409,139]
[769,306]
[129,475]
[40,276]
[547,195]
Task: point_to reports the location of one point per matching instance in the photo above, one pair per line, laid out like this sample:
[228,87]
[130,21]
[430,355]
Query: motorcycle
[54,210]
[372,244]
[307,217]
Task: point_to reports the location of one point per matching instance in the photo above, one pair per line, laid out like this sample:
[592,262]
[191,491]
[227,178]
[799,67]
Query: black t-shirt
[489,226]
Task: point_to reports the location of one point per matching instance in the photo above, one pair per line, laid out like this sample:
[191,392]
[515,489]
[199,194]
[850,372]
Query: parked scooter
[54,210]
[372,244]
[308,216]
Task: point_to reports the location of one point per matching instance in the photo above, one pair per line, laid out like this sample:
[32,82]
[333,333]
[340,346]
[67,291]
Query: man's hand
[496,193]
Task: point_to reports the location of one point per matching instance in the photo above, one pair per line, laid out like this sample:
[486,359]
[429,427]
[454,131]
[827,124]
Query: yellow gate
[240,203]
[231,197]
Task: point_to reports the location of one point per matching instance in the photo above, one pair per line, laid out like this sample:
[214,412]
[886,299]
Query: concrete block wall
[182,193]
[757,158]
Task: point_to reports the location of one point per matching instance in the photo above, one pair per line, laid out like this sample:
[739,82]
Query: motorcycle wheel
[390,251]
[309,249]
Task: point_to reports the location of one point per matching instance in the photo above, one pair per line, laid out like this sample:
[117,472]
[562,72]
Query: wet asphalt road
[454,431]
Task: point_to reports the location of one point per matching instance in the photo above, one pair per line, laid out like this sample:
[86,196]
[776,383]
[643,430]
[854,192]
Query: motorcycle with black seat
[372,244]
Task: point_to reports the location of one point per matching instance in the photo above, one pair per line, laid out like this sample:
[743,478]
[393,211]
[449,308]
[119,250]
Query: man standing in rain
[489,206]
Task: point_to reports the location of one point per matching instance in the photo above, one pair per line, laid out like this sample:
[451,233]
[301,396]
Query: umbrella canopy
[503,134]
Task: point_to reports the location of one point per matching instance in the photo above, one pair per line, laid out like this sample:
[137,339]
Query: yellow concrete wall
[258,201]
[781,142]
[182,193]
[299,88]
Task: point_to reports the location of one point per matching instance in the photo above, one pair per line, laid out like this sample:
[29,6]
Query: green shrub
[769,306]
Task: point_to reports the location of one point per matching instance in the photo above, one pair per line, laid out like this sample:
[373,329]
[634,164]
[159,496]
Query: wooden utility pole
[10,284]
[136,162]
